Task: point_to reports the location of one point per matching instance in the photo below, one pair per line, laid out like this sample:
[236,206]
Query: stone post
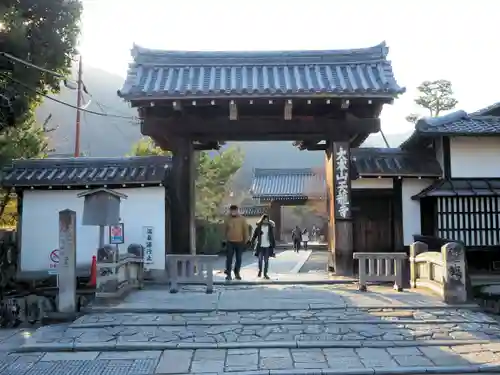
[415,249]
[454,273]
[67,262]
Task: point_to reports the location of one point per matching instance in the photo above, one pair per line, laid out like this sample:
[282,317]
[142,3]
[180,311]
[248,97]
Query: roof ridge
[379,51]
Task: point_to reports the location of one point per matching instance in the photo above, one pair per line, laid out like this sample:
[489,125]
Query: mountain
[107,136]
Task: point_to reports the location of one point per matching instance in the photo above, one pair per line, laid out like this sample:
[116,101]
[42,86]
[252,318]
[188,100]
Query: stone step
[358,315]
[458,359]
[354,327]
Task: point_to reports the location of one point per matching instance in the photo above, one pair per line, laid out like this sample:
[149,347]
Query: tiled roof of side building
[394,162]
[86,171]
[369,162]
[299,183]
[158,74]
[457,123]
[251,211]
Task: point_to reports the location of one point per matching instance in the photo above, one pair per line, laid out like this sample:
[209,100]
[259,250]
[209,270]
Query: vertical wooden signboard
[342,180]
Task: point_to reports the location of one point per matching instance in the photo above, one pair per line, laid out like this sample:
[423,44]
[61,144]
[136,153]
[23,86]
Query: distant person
[296,238]
[305,238]
[236,233]
[314,232]
[264,243]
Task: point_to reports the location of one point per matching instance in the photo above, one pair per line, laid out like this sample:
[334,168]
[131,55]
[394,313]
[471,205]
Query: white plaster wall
[40,225]
[475,157]
[411,208]
[372,183]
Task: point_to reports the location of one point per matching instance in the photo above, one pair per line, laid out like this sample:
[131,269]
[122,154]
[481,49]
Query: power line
[84,88]
[64,103]
[27,63]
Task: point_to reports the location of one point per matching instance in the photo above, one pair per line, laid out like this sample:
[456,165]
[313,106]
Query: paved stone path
[285,266]
[262,330]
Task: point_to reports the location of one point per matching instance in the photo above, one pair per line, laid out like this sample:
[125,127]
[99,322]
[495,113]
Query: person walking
[296,238]
[305,238]
[264,243]
[236,234]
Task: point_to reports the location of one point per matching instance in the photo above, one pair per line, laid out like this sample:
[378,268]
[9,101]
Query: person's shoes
[237,276]
[259,274]
[228,277]
[266,277]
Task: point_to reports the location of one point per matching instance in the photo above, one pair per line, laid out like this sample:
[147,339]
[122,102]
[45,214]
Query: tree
[43,33]
[214,174]
[434,96]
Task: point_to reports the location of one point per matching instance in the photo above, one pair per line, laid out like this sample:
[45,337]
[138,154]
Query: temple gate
[321,100]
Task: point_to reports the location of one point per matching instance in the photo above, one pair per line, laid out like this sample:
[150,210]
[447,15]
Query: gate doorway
[373,228]
[327,101]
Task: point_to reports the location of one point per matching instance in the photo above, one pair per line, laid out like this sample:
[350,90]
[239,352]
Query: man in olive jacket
[237,235]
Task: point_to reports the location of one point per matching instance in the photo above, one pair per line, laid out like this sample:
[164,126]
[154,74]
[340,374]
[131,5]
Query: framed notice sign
[116,234]
[342,175]
[148,234]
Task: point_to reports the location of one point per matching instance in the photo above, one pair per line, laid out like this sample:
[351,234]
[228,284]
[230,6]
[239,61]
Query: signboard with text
[148,237]
[341,153]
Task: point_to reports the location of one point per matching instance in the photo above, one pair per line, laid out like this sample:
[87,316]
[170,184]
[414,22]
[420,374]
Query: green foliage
[146,147]
[434,96]
[214,173]
[43,33]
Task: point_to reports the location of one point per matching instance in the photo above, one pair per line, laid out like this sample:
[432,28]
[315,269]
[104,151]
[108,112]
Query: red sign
[54,258]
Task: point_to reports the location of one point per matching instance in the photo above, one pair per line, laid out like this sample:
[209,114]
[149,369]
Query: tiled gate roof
[156,74]
[85,171]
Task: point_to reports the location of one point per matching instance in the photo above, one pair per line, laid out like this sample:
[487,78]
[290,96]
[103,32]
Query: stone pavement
[262,329]
[285,266]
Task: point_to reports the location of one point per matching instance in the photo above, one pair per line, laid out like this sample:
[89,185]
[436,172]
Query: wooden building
[377,192]
[321,100]
[443,182]
[46,186]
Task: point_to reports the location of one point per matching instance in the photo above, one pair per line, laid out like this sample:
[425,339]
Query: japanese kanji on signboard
[148,233]
[342,181]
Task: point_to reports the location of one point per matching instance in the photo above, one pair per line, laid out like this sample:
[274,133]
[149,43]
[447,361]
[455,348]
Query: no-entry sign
[54,259]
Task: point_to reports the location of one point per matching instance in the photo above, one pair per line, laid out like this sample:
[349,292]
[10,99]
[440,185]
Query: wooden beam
[207,146]
[233,110]
[288,110]
[255,128]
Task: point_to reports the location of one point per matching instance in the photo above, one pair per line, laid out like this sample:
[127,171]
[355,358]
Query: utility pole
[78,112]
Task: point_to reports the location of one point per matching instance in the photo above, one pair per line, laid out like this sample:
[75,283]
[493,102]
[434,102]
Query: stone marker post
[67,262]
[454,273]
[416,248]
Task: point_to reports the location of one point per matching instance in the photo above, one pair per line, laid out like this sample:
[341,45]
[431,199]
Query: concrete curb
[300,264]
[141,346]
[270,282]
[218,322]
[462,370]
[314,307]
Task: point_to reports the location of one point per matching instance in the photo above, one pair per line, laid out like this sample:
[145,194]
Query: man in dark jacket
[296,238]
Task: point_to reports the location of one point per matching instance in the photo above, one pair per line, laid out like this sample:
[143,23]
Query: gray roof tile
[249,211]
[288,184]
[394,162]
[461,187]
[86,171]
[457,123]
[306,183]
[174,74]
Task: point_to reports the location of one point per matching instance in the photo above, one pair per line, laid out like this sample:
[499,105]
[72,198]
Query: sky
[428,40]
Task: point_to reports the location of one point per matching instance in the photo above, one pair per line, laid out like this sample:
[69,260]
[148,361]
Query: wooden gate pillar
[182,184]
[340,226]
[275,215]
